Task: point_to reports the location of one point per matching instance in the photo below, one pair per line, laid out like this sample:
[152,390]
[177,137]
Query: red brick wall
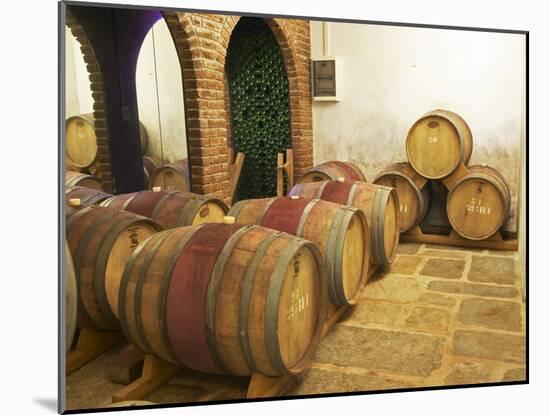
[201,41]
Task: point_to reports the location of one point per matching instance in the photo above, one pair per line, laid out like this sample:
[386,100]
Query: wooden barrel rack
[496,241]
[143,373]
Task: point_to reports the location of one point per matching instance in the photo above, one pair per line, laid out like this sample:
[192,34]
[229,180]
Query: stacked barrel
[224,292]
[344,183]
[439,146]
[188,285]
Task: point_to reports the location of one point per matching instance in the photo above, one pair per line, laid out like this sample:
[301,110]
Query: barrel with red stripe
[170,208]
[228,299]
[341,233]
[379,203]
[101,241]
[77,198]
[332,170]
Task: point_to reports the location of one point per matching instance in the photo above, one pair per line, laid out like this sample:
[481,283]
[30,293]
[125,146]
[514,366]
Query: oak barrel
[81,140]
[73,178]
[70,166]
[341,233]
[414,197]
[70,298]
[380,205]
[77,198]
[225,298]
[170,208]
[150,165]
[478,204]
[332,170]
[437,143]
[101,241]
[173,176]
[87,195]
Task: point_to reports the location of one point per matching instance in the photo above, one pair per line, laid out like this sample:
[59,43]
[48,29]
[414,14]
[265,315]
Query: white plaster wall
[78,92]
[393,75]
[158,86]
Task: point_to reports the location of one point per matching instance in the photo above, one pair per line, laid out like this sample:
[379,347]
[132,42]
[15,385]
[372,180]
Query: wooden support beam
[453,239]
[285,168]
[128,365]
[235,168]
[155,373]
[262,386]
[90,344]
[280,175]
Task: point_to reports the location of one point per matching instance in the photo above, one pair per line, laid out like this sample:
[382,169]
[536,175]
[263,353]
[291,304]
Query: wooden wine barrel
[171,208]
[101,241]
[437,143]
[225,298]
[341,233]
[81,140]
[143,139]
[332,170]
[414,200]
[73,178]
[379,204]
[69,166]
[150,165]
[478,204]
[174,176]
[77,198]
[87,196]
[70,298]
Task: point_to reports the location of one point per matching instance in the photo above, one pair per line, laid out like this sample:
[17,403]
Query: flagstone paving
[438,316]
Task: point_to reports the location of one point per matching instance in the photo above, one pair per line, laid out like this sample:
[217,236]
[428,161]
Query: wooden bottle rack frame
[156,372]
[496,241]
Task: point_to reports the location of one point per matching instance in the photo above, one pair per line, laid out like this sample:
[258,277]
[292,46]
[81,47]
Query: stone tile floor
[438,316]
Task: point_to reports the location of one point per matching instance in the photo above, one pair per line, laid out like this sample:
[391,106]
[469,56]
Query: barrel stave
[438,143]
[323,223]
[478,204]
[101,240]
[414,197]
[332,170]
[204,270]
[173,176]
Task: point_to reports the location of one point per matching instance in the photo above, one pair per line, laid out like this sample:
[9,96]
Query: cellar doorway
[259,105]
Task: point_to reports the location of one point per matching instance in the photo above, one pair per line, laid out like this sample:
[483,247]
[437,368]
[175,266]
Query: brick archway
[201,42]
[95,76]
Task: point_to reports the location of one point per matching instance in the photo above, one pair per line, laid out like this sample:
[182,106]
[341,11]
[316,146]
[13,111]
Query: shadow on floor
[48,403]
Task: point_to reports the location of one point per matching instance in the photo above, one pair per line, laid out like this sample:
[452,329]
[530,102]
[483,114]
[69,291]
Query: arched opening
[86,144]
[129,98]
[259,105]
[160,96]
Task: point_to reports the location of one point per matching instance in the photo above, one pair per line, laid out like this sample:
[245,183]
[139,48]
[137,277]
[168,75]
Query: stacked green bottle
[260,115]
